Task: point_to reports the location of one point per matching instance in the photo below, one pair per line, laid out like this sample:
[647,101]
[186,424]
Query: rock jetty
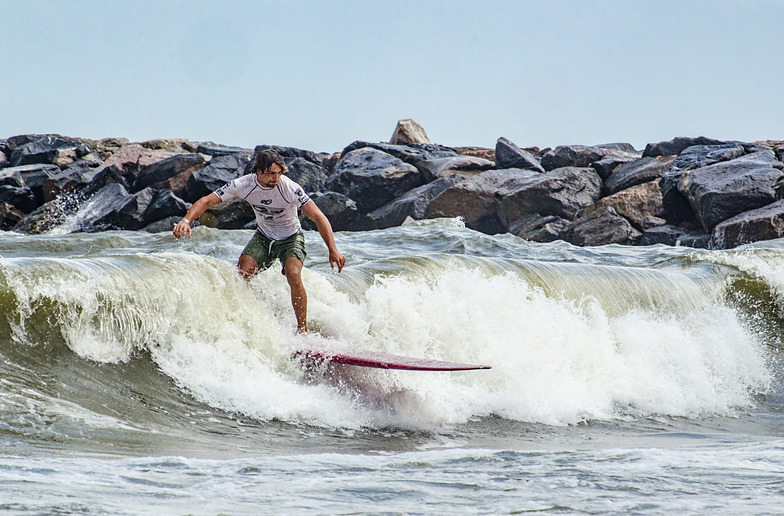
[692,191]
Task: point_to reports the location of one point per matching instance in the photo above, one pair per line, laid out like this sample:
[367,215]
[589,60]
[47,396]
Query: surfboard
[380,360]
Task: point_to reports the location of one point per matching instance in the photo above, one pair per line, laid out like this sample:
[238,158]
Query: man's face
[270,177]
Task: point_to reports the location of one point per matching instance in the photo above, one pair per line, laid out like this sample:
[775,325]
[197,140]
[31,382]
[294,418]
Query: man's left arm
[313,212]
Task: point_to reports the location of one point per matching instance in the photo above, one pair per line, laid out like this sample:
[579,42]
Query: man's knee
[292,268]
[247,266]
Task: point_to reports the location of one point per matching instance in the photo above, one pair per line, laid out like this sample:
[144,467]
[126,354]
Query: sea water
[139,375]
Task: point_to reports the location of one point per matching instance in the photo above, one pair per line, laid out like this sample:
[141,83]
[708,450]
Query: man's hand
[336,258]
[181,229]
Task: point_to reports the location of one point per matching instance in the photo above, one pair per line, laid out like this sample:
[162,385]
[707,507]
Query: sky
[319,75]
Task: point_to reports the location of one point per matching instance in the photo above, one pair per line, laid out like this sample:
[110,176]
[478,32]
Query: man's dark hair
[266,158]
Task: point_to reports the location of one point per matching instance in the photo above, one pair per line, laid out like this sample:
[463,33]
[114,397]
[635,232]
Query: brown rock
[407,132]
[638,204]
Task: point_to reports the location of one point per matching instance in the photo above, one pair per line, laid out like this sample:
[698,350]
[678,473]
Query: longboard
[381,360]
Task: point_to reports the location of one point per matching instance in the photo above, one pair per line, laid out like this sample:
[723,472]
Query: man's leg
[247,267]
[299,298]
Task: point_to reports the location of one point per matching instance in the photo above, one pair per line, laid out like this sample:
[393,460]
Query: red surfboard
[380,360]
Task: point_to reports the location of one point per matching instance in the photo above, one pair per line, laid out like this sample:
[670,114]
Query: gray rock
[93,214]
[373,178]
[220,170]
[412,204]
[561,192]
[607,165]
[764,223]
[48,150]
[475,199]
[310,176]
[463,165]
[20,197]
[584,155]
[413,154]
[32,177]
[637,172]
[539,228]
[170,173]
[340,210]
[602,227]
[698,156]
[722,190]
[676,146]
[509,155]
[71,179]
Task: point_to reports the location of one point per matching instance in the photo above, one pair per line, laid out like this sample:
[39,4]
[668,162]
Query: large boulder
[475,199]
[373,178]
[49,149]
[602,227]
[31,177]
[698,156]
[463,165]
[143,208]
[170,173]
[340,210]
[764,223]
[676,146]
[93,214]
[413,154]
[129,159]
[407,131]
[310,176]
[639,205]
[70,179]
[412,204]
[509,155]
[584,155]
[220,170]
[637,172]
[20,197]
[561,192]
[722,190]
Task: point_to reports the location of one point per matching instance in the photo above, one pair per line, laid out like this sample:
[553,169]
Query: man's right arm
[183,227]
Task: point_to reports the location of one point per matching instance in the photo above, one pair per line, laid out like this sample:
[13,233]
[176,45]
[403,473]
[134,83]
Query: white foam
[555,361]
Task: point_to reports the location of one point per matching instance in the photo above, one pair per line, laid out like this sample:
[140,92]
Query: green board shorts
[264,250]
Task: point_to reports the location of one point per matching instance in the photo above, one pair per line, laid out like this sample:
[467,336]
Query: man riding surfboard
[275,200]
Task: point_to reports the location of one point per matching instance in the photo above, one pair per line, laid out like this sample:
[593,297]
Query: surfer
[275,200]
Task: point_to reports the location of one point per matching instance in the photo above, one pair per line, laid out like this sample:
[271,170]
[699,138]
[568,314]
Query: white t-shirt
[275,208]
